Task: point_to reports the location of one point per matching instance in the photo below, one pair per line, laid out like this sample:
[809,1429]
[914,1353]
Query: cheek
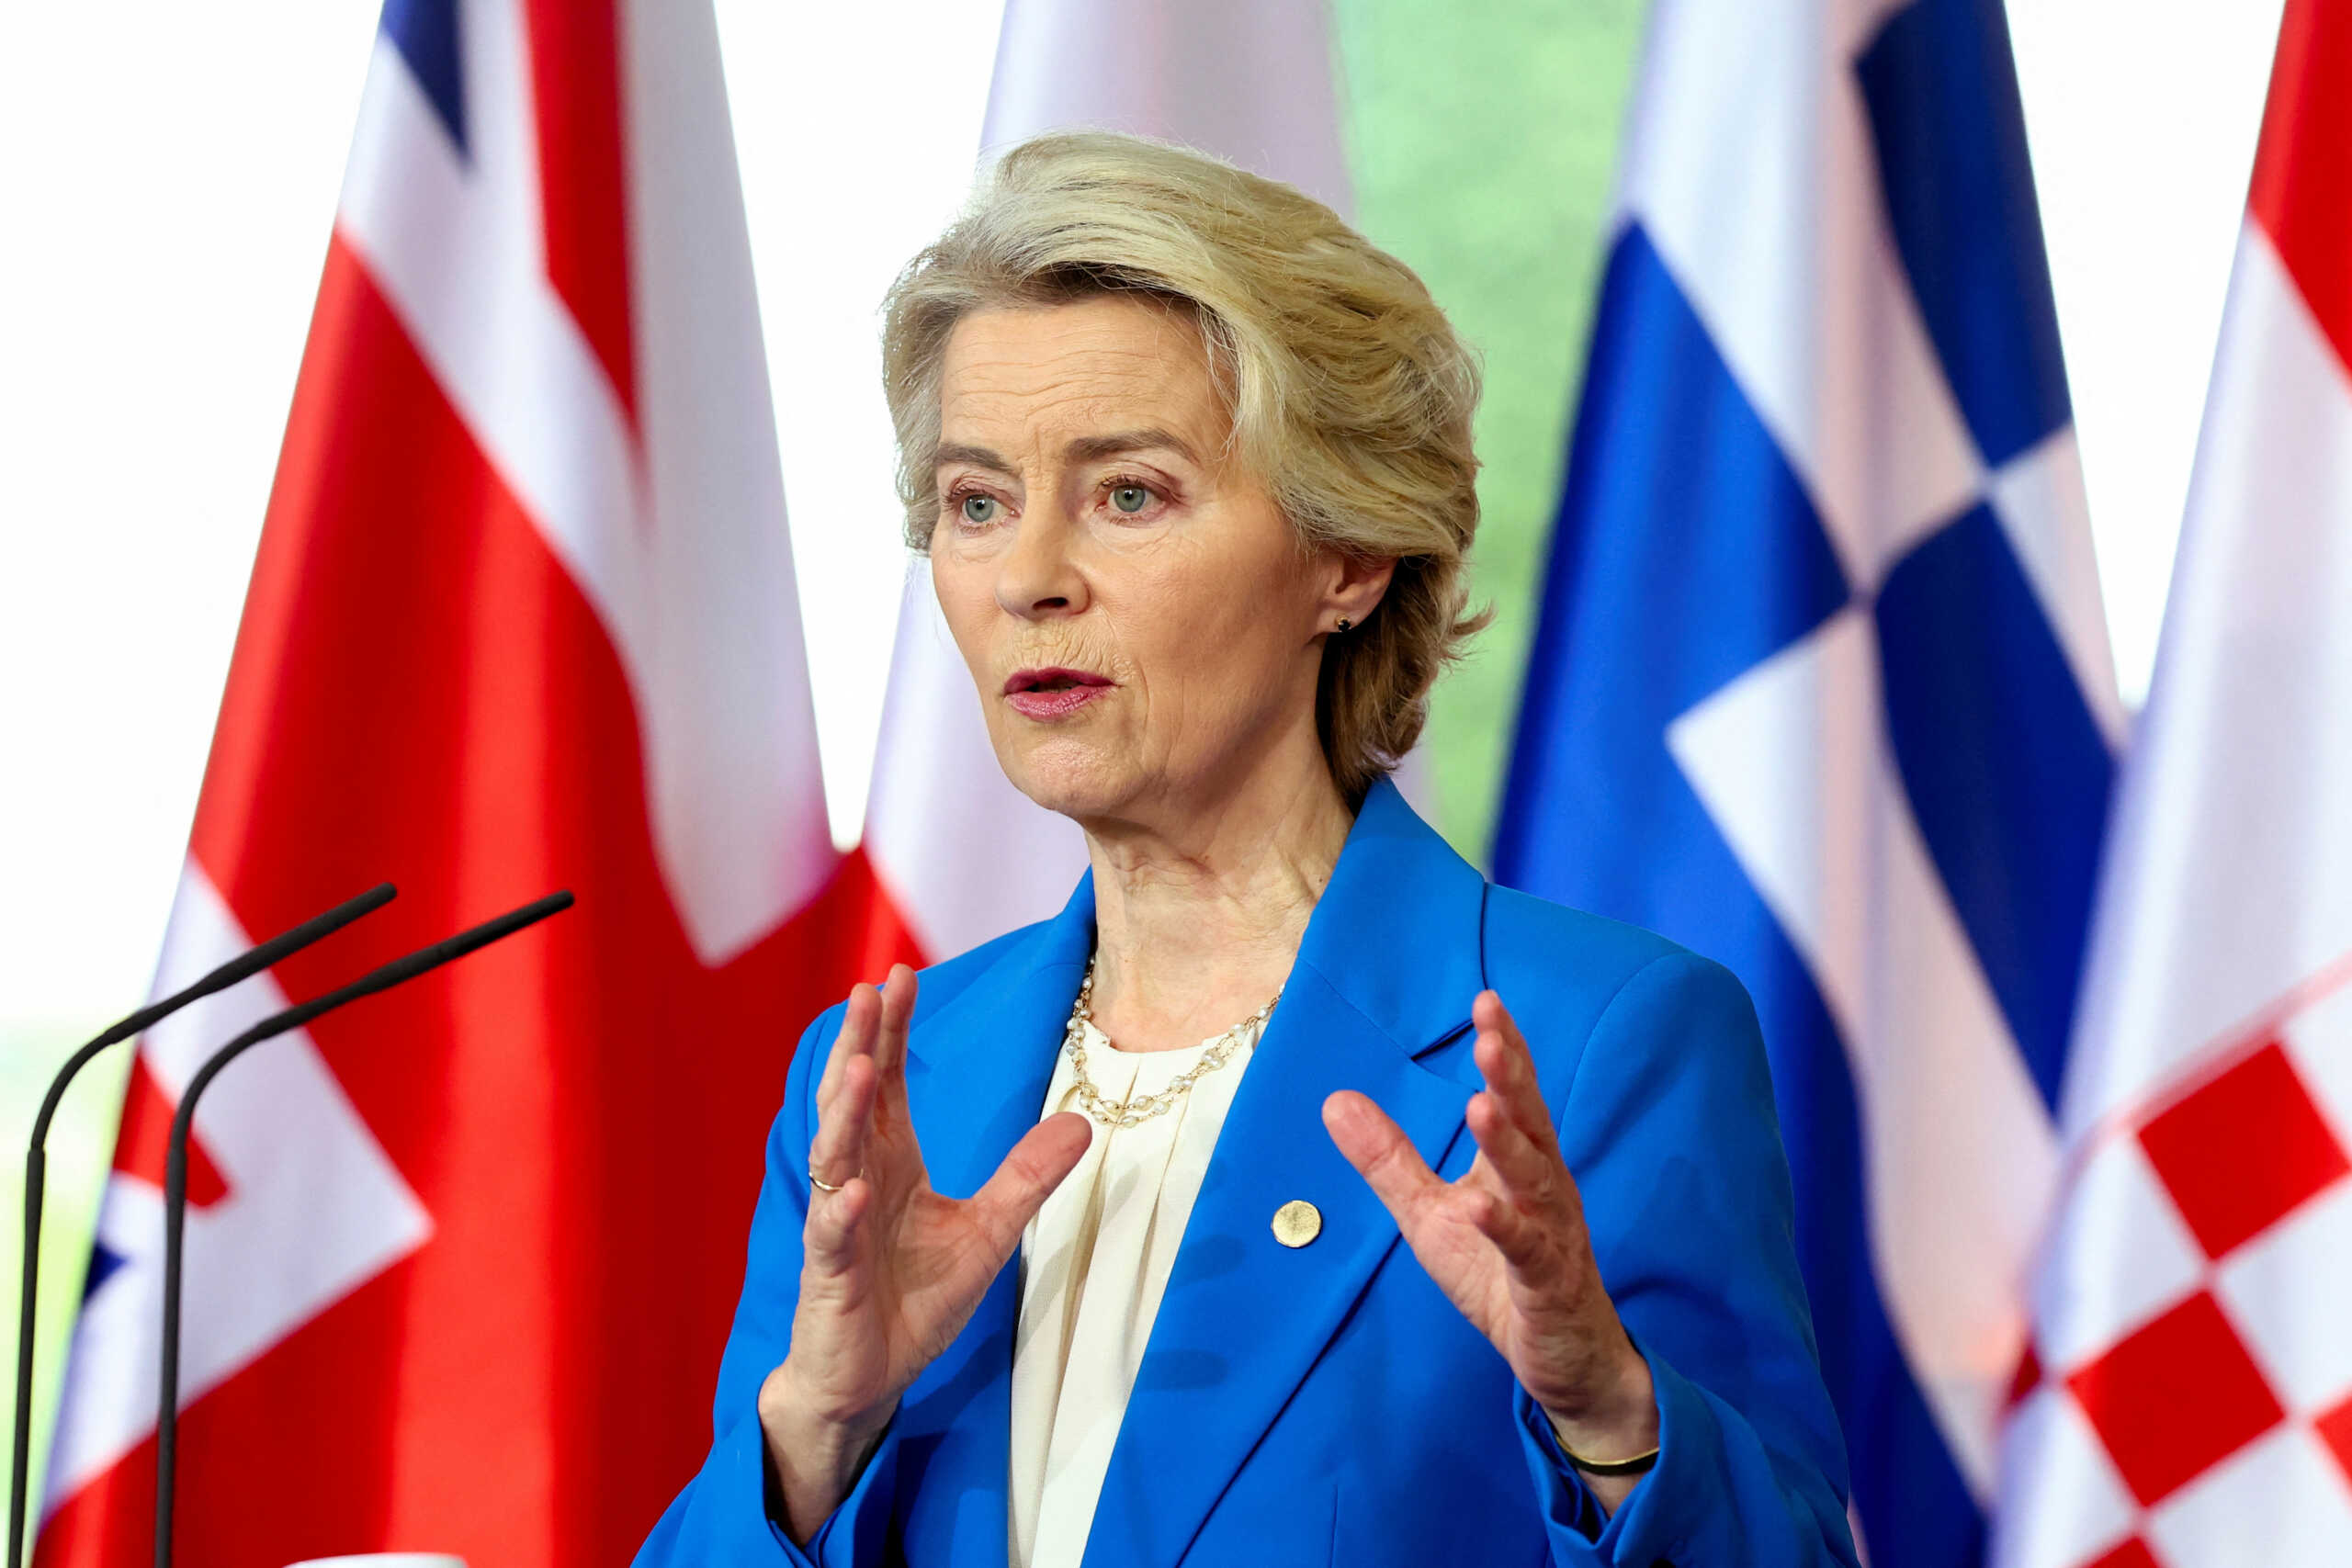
[966,594]
[977,626]
[1204,639]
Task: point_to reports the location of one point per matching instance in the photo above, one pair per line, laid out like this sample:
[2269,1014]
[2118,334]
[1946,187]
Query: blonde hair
[1351,397]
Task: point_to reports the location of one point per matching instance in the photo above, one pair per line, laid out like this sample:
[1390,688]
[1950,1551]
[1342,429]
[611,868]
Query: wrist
[787,1403]
[814,1456]
[1618,1421]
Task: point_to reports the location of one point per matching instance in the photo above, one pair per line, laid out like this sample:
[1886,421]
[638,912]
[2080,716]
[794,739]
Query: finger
[1381,1152]
[1508,1067]
[829,1237]
[897,1009]
[837,1154]
[855,1037]
[1047,1154]
[1526,1244]
[1530,1175]
[890,1036]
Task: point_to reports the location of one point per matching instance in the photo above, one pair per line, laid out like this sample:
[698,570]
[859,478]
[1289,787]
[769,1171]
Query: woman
[1232,1216]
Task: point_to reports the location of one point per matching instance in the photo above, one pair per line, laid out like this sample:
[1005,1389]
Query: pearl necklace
[1128,1112]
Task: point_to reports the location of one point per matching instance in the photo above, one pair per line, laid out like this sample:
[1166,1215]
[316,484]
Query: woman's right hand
[891,1271]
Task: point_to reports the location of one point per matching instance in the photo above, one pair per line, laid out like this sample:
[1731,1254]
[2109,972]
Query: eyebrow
[1092,449]
[1084,449]
[977,457]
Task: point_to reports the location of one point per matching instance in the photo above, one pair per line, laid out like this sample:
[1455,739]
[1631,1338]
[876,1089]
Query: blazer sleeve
[728,1516]
[1668,1126]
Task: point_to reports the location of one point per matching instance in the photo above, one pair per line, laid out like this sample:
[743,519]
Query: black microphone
[167,1390]
[245,964]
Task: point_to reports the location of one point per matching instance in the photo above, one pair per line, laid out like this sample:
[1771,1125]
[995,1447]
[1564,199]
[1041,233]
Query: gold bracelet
[1639,1464]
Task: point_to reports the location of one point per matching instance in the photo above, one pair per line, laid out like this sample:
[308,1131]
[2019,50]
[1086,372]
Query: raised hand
[891,1271]
[1507,1244]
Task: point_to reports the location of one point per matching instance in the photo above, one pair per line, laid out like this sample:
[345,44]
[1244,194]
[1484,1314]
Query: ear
[1352,588]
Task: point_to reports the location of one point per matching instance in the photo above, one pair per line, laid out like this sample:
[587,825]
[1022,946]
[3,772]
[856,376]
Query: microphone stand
[245,964]
[167,1390]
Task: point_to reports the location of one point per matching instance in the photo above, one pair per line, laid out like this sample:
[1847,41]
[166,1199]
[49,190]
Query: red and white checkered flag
[2189,1400]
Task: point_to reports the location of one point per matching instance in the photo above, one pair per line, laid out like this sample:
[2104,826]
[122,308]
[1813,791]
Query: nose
[1036,578]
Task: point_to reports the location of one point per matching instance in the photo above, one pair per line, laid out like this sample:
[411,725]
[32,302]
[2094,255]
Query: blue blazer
[1327,1404]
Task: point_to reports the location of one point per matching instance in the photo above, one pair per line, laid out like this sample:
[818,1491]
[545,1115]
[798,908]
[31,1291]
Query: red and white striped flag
[961,855]
[522,618]
[2190,1403]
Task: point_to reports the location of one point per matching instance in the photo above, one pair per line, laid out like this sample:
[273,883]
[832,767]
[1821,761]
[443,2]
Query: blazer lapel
[978,1063]
[1388,968]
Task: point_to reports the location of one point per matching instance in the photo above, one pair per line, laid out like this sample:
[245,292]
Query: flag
[961,855]
[1821,686]
[2192,1399]
[523,617]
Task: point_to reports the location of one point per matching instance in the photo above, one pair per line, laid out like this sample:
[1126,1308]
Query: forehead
[1098,362]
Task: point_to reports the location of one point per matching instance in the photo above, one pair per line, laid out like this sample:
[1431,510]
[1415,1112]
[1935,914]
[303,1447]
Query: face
[1142,624]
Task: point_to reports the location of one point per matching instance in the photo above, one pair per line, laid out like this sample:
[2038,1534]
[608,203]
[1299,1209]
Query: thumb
[1037,1165]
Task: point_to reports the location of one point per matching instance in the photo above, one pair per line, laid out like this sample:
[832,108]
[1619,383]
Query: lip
[1055,691]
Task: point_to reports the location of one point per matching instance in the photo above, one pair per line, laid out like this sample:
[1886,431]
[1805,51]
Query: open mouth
[1052,681]
[1053,694]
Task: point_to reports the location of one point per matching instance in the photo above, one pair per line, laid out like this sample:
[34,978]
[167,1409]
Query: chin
[1068,775]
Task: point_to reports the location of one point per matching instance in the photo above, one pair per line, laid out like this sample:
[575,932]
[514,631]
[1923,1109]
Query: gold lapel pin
[1297,1223]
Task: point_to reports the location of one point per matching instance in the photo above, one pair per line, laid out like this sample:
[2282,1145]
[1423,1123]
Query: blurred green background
[81,1144]
[1483,138]
[1484,142]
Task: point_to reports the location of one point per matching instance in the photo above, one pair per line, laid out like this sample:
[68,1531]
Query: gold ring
[820,1184]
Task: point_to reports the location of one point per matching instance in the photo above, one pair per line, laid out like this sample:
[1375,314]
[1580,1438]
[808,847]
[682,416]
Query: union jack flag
[460,1259]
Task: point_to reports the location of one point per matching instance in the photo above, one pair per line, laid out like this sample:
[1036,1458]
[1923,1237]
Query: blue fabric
[1728,553]
[1949,129]
[103,1261]
[1326,1403]
[2007,772]
[1688,553]
[426,33]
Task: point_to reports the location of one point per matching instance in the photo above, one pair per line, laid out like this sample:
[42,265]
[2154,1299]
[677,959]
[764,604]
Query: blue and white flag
[1821,686]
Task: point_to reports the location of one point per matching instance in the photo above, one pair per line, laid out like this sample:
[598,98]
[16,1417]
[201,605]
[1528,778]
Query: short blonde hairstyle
[1351,397]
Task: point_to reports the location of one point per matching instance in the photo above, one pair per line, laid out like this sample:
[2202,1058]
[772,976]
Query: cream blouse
[1094,1264]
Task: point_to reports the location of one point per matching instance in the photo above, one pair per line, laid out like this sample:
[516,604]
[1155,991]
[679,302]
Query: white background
[168,176]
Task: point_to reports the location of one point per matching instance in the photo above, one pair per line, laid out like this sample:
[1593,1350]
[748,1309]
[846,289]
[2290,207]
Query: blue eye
[1130,498]
[979,508]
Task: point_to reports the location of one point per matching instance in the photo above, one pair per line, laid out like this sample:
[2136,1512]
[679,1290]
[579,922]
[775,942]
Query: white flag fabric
[2190,1399]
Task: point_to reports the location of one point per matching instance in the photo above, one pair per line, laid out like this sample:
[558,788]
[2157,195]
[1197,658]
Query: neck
[1199,914]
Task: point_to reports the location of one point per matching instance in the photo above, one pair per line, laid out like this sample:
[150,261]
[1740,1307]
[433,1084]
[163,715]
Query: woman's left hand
[1507,1244]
